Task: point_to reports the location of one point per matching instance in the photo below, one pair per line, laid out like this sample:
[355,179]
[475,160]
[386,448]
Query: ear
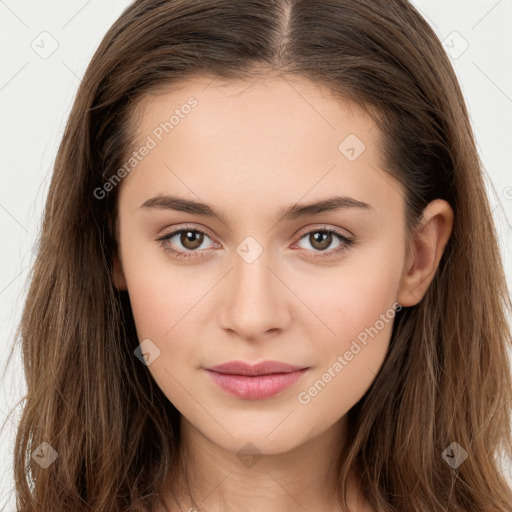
[427,245]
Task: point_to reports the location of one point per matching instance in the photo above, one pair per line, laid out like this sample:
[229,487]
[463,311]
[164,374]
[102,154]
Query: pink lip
[255,382]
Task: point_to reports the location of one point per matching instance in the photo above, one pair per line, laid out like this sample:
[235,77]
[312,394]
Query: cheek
[163,302]
[351,296]
[161,291]
[356,303]
[350,359]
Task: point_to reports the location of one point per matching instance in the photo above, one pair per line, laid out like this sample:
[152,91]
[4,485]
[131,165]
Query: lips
[263,368]
[255,381]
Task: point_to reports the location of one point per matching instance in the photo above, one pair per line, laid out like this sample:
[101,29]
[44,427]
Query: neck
[216,479]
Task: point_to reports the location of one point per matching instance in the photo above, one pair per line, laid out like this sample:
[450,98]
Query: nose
[256,299]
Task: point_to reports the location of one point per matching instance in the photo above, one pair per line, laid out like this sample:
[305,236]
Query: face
[266,279]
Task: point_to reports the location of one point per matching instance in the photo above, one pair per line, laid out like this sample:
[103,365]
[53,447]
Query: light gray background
[37,90]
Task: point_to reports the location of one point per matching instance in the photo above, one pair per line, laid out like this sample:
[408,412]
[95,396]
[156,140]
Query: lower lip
[256,387]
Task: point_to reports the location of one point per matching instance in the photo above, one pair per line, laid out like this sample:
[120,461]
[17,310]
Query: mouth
[255,382]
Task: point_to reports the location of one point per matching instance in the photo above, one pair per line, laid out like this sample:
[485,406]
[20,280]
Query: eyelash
[346,242]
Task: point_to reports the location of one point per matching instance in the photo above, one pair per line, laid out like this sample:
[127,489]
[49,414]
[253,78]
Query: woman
[268,276]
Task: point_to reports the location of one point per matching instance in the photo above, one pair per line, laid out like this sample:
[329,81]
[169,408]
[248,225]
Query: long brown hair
[446,377]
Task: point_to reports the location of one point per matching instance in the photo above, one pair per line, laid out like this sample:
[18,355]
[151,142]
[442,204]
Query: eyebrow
[296,211]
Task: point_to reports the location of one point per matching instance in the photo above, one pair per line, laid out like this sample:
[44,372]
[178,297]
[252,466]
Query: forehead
[263,105]
[273,137]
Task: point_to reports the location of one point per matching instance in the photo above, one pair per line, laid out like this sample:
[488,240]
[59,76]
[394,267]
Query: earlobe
[427,246]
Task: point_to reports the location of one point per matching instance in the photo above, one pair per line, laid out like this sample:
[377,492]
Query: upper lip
[263,368]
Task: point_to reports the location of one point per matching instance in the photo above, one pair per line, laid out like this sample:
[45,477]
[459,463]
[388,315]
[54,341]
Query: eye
[321,239]
[189,238]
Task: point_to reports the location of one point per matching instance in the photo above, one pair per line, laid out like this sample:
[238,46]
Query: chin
[257,443]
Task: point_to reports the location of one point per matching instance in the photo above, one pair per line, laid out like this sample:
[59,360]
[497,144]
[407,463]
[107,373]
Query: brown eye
[191,239]
[186,242]
[320,240]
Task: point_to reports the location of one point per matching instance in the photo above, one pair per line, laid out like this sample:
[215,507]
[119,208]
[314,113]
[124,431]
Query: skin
[249,149]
